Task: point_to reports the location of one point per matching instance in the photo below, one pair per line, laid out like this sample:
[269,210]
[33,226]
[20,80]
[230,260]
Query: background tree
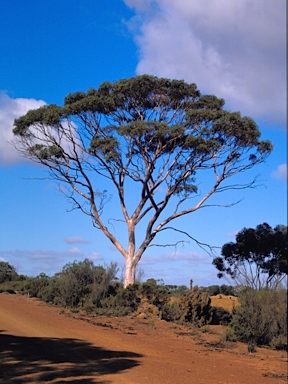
[7,272]
[257,259]
[151,134]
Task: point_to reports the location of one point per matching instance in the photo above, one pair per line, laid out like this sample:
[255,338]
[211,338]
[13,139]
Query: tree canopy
[151,134]
[257,259]
[7,272]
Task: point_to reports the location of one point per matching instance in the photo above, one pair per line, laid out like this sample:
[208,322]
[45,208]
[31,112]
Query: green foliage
[196,308]
[220,316]
[229,335]
[7,272]
[156,294]
[261,318]
[172,311]
[81,283]
[193,308]
[279,342]
[35,286]
[124,302]
[213,290]
[152,133]
[227,290]
[177,291]
[257,259]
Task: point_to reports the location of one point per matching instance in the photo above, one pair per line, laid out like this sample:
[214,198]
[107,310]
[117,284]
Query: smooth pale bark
[130,271]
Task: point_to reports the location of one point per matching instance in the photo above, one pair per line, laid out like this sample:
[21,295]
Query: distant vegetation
[260,319]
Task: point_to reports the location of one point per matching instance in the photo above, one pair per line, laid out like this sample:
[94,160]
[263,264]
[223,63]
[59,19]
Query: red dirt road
[38,344]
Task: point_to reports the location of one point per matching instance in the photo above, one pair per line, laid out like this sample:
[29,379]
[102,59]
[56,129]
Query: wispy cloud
[76,240]
[280,173]
[179,268]
[32,262]
[193,257]
[11,109]
[234,49]
[95,256]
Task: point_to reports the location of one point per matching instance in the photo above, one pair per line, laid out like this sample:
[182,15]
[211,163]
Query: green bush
[229,335]
[171,311]
[156,294]
[220,316]
[261,316]
[279,342]
[7,272]
[35,285]
[193,308]
[215,290]
[177,291]
[124,302]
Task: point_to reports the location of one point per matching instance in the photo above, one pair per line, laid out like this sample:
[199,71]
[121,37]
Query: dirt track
[38,344]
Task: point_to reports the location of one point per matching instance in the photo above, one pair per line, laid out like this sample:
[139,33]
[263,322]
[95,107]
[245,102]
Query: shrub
[171,311]
[123,303]
[279,342]
[147,310]
[196,308]
[205,329]
[229,335]
[156,294]
[36,285]
[261,316]
[220,316]
[193,308]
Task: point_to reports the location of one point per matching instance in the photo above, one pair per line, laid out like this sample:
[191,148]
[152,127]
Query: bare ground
[39,344]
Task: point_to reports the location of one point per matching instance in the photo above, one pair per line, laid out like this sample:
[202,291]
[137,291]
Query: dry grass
[226,302]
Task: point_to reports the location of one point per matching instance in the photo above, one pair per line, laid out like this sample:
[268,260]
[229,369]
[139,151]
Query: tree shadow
[46,360]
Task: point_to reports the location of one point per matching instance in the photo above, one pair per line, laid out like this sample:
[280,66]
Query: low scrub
[194,308]
[261,319]
[220,316]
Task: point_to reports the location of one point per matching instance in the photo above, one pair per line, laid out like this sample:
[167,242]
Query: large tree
[149,134]
[257,259]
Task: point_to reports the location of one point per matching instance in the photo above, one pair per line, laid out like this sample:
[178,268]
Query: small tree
[149,134]
[257,259]
[7,272]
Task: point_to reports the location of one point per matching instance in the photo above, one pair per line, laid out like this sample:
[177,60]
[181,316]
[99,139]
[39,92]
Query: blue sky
[49,48]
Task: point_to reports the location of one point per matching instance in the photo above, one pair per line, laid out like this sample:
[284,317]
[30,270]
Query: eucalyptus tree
[149,138]
[257,259]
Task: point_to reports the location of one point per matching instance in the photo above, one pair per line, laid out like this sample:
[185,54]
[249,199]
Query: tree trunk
[130,271]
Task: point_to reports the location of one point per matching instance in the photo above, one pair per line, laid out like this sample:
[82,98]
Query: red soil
[39,344]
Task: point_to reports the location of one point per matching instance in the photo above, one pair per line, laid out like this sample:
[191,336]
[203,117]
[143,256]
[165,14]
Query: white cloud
[233,49]
[76,240]
[11,109]
[281,172]
[95,256]
[33,262]
[75,251]
[193,257]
